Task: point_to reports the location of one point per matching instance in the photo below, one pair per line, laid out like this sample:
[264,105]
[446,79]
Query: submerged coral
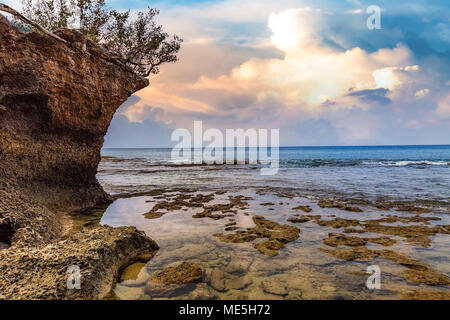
[174,280]
[277,235]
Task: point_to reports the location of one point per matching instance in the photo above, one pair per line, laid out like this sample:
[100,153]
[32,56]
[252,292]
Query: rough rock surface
[278,235]
[174,280]
[274,287]
[100,253]
[217,280]
[56,102]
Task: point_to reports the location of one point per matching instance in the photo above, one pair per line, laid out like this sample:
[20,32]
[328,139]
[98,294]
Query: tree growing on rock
[136,39]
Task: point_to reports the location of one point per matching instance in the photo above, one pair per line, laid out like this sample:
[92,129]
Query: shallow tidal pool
[309,267]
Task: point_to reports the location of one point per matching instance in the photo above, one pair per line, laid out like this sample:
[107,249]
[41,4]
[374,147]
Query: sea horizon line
[312,146]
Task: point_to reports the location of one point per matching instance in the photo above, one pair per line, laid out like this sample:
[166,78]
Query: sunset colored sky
[310,68]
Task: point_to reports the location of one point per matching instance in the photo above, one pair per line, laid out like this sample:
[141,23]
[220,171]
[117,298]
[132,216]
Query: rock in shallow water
[278,235]
[294,295]
[274,287]
[174,280]
[238,283]
[217,280]
[239,266]
[203,292]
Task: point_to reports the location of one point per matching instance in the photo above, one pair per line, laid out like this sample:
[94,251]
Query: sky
[312,69]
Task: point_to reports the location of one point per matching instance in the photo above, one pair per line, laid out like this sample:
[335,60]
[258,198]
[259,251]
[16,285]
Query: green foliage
[50,14]
[139,41]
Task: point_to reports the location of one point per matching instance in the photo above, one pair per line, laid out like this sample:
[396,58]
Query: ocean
[308,232]
[401,172]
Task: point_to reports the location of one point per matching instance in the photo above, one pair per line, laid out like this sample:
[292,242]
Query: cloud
[137,125]
[275,66]
[140,112]
[372,95]
[443,109]
[422,93]
[444,32]
[309,73]
[148,133]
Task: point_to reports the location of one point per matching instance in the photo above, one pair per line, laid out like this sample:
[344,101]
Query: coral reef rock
[56,102]
[45,272]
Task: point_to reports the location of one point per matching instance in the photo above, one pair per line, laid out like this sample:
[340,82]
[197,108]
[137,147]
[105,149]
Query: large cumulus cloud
[289,66]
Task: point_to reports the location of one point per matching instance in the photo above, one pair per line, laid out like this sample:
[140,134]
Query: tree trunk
[5,8]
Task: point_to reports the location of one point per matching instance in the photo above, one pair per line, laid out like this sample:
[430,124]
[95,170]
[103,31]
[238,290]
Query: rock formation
[56,102]
[100,254]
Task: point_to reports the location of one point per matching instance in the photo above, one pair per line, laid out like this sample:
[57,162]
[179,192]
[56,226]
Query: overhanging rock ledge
[56,102]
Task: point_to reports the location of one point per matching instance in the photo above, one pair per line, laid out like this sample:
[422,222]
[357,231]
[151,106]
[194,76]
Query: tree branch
[5,8]
[153,66]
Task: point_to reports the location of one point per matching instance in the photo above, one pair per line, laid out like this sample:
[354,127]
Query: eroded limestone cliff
[56,102]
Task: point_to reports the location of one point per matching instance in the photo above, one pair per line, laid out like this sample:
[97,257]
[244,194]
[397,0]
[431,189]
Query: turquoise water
[397,172]
[434,153]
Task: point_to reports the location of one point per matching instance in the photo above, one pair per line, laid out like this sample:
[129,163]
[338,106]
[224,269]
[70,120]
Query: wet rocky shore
[275,244]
